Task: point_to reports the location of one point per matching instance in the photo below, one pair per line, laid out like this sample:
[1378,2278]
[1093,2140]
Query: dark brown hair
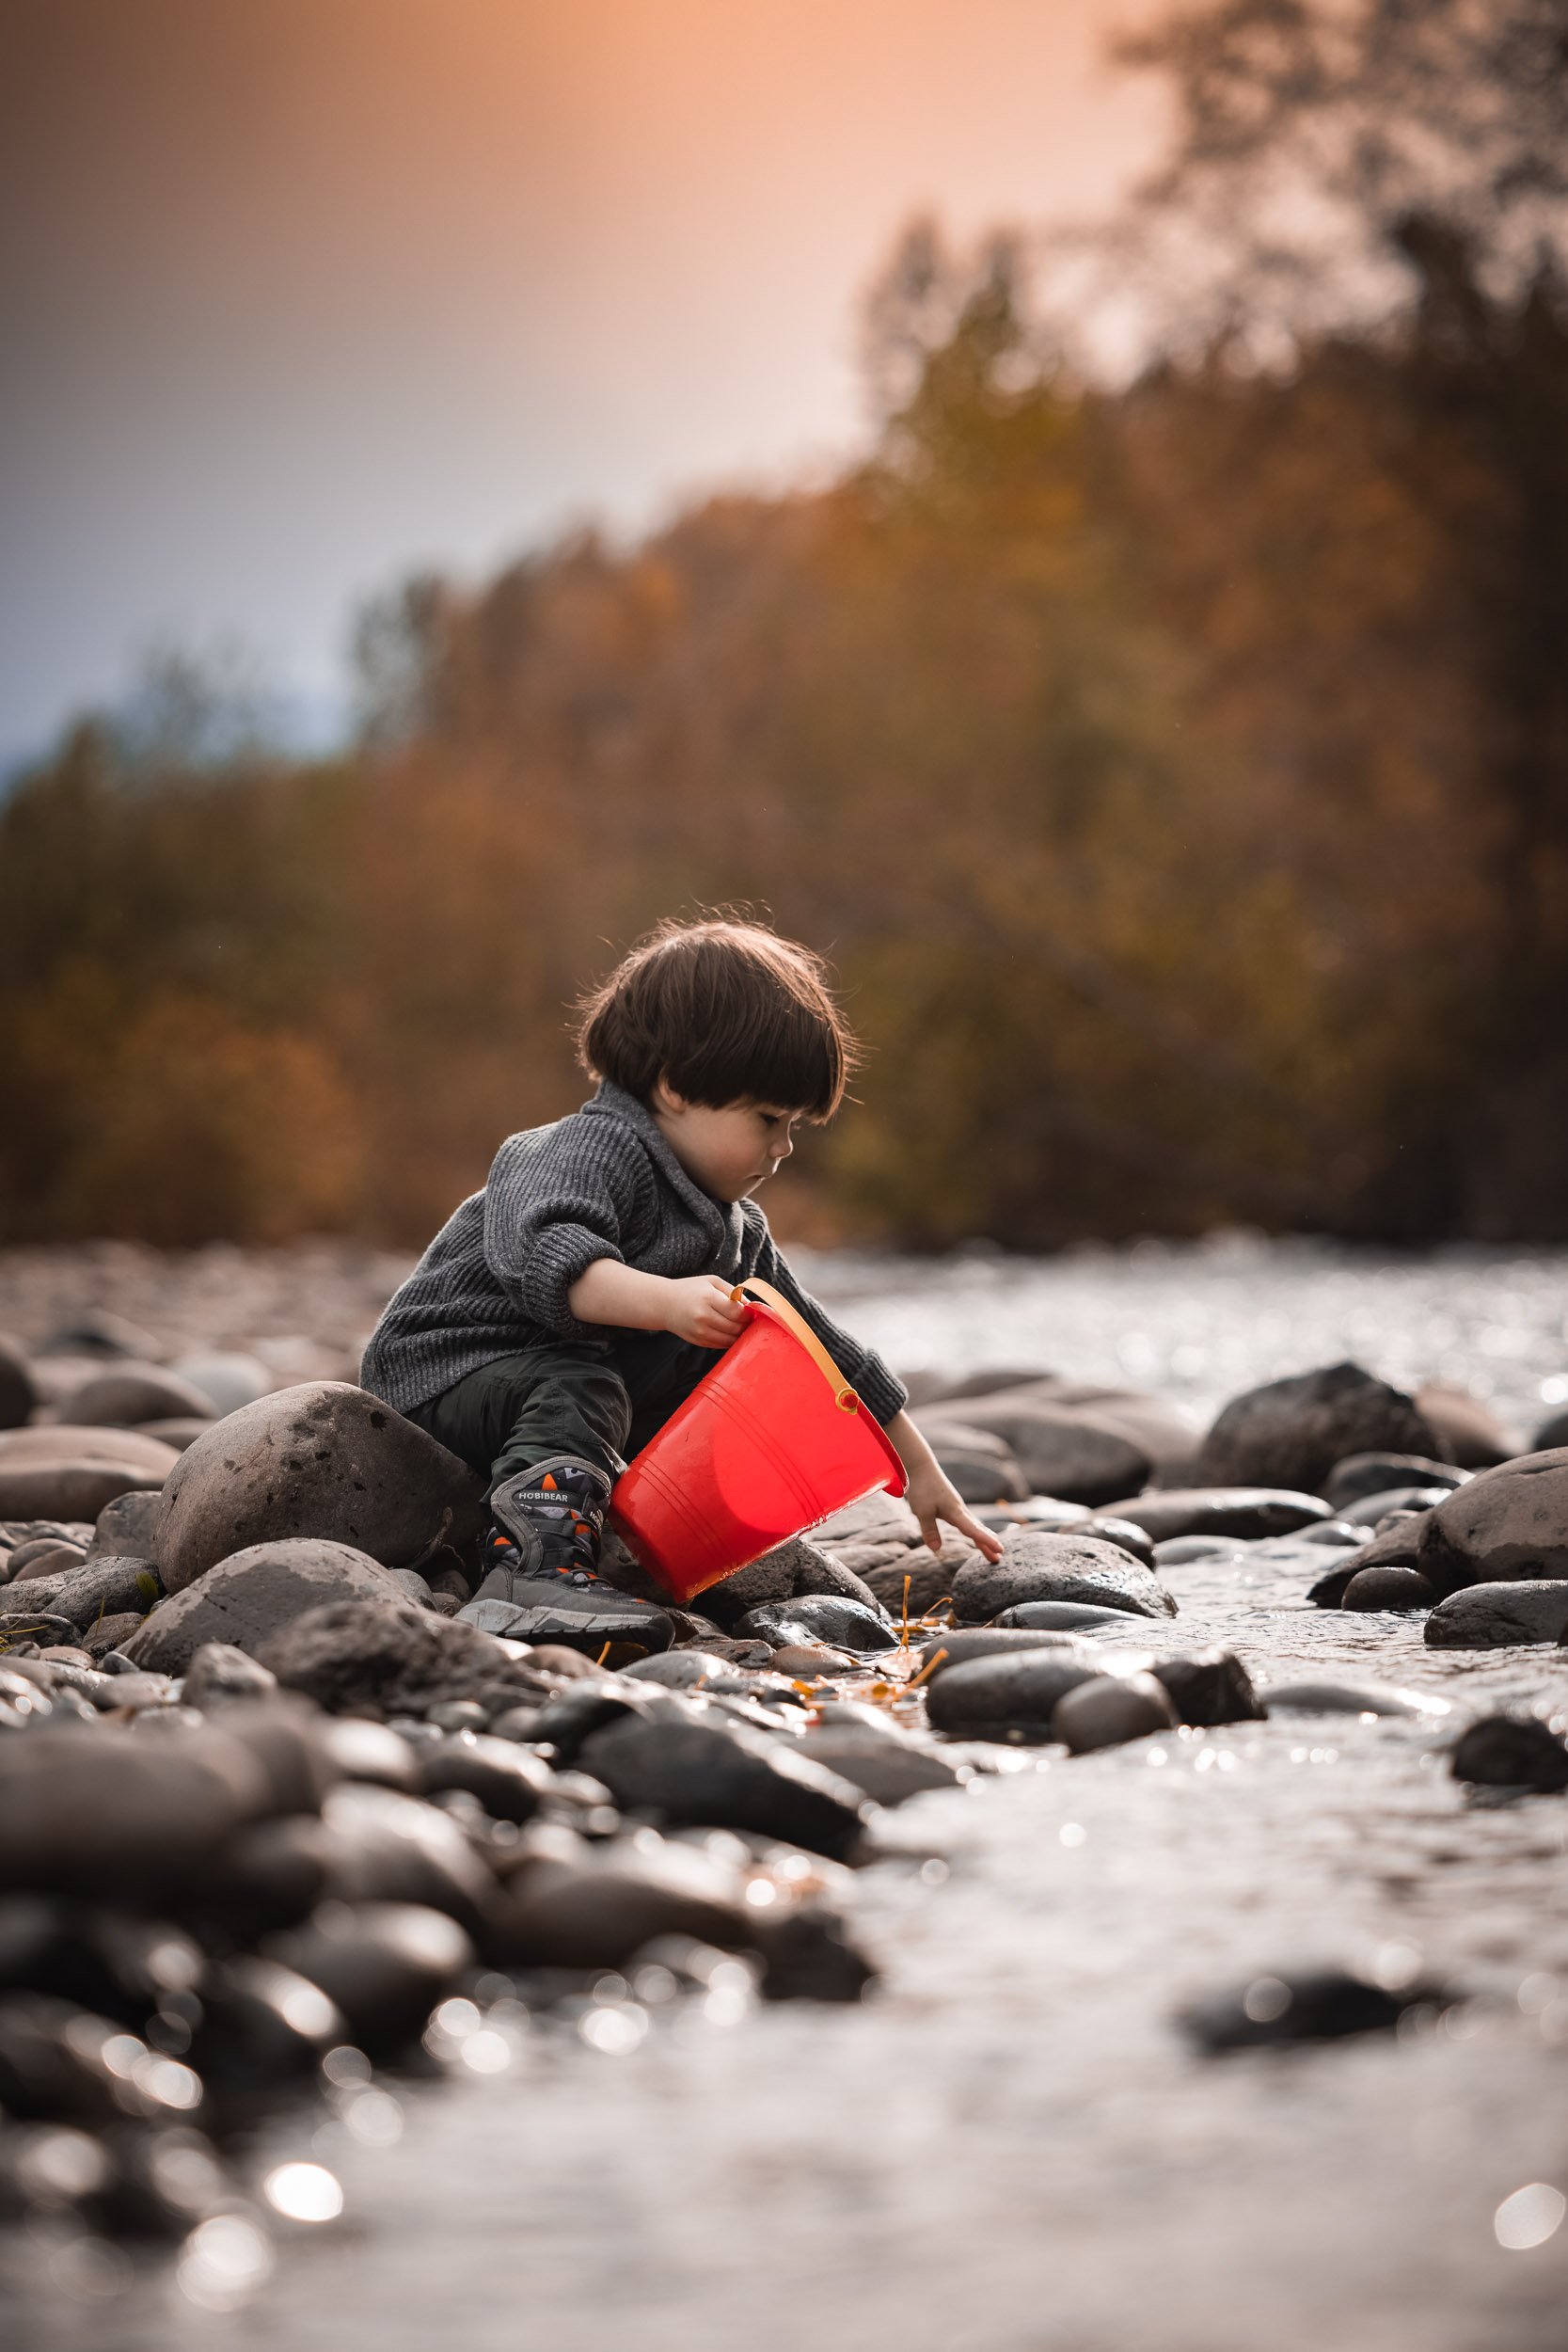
[724,1011]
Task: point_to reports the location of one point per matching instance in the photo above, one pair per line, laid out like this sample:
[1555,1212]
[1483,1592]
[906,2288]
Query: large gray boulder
[1058,1567]
[1503,1523]
[66,1471]
[247,1601]
[324,1460]
[1291,1432]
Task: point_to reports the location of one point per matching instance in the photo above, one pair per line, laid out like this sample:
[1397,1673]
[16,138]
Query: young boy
[562,1314]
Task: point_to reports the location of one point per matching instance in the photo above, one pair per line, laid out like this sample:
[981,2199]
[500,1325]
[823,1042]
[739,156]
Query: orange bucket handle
[799,1328]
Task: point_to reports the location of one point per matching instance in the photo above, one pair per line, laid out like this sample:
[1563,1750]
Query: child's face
[729,1152]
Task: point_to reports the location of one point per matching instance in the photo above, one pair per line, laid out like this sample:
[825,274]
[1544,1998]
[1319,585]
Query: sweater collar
[722,1218]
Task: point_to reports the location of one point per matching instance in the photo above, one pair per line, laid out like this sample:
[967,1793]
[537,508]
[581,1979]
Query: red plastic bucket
[771,1441]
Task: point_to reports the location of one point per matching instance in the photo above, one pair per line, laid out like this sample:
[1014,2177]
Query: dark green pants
[601,1400]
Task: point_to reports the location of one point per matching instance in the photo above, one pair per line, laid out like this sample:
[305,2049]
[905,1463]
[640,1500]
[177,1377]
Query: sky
[298,296]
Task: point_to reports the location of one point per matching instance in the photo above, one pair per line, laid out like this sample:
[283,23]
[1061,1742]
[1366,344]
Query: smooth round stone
[1501,1616]
[458,1715]
[1040,1566]
[1348,1698]
[1013,1694]
[1241,1513]
[1335,1535]
[1110,1710]
[1058,1616]
[1361,1475]
[225,1378]
[886,1771]
[1504,1525]
[966,1643]
[1125,1533]
[678,1669]
[221,1676]
[1375,1509]
[1212,1687]
[1290,1434]
[1512,1752]
[1389,1588]
[818,1618]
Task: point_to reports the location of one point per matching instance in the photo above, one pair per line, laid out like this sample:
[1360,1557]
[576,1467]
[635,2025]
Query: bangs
[725,1012]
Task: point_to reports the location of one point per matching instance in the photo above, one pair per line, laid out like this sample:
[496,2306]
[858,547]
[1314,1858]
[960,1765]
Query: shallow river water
[1012,2147]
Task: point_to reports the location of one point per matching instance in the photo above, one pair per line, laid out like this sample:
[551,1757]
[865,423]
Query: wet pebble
[1110,1710]
[1389,1588]
[1316,2005]
[1512,1752]
[1497,1616]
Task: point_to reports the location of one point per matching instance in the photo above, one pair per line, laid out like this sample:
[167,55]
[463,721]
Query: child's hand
[932,1494]
[700,1308]
[933,1497]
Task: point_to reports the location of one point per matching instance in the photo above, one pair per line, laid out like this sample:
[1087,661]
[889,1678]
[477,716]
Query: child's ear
[665,1098]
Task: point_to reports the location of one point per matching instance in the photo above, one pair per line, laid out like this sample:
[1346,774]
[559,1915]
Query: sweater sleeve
[553,1203]
[881,1391]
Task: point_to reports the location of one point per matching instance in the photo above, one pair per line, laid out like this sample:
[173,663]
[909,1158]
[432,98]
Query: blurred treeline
[1176,772]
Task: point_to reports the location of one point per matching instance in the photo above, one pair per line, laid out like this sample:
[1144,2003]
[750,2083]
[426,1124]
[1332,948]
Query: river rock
[730,1779]
[1397,1547]
[227,1378]
[385,1846]
[55,1472]
[1290,1433]
[323,1461]
[178,1433]
[1127,1535]
[388,1658]
[1468,1432]
[1211,1687]
[1315,2005]
[1107,1711]
[598,1909]
[384,1965]
[126,1526]
[1501,1524]
[1058,1567]
[1361,1475]
[42,1563]
[219,1674]
[1239,1513]
[1497,1616]
[1059,1616]
[1060,1452]
[965,1642]
[887,1771]
[790,1571]
[931,1578]
[510,1785]
[106,1636]
[1013,1694]
[97,1588]
[18,1391]
[818,1618]
[1309,1698]
[1512,1752]
[982,1465]
[92,1812]
[1389,1588]
[1375,1511]
[129,1393]
[247,1601]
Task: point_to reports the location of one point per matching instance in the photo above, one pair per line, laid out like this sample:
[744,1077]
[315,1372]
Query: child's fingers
[968,1525]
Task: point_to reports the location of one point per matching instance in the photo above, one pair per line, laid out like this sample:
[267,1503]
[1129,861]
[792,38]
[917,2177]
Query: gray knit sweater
[602,1183]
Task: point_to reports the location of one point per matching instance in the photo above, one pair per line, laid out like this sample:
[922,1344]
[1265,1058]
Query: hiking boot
[542,1560]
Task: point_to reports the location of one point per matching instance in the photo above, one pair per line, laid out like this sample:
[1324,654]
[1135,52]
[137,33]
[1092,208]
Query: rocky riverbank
[276,1824]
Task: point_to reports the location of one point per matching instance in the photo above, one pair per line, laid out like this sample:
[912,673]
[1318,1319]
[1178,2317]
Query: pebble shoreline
[573,1831]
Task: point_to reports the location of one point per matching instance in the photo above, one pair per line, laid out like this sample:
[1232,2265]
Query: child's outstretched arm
[932,1495]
